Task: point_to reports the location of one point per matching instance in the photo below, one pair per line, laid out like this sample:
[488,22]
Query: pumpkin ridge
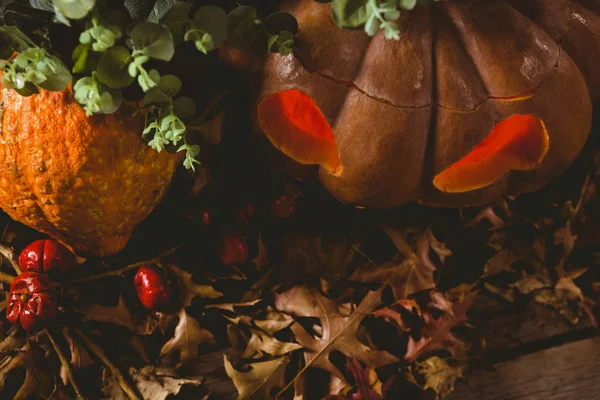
[463,21]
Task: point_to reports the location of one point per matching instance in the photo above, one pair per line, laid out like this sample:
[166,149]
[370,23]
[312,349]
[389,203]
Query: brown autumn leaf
[413,273]
[261,378]
[80,358]
[319,254]
[188,336]
[119,315]
[440,375]
[188,289]
[396,311]
[38,382]
[152,383]
[437,333]
[338,333]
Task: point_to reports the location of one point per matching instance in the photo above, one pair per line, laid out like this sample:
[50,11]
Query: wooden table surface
[532,353]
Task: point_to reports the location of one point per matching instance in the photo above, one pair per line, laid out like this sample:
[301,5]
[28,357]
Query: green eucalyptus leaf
[80,58]
[408,4]
[156,97]
[372,26]
[153,40]
[184,108]
[27,90]
[212,20]
[73,9]
[243,27]
[57,74]
[281,21]
[176,19]
[282,43]
[170,85]
[350,14]
[45,5]
[113,66]
[11,36]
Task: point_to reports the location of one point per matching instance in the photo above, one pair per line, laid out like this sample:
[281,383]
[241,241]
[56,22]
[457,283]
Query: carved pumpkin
[86,181]
[476,100]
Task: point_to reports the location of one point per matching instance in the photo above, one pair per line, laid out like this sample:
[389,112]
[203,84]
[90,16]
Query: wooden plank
[508,325]
[565,372]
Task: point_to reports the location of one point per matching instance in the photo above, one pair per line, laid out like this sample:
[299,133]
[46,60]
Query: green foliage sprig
[113,53]
[371,15]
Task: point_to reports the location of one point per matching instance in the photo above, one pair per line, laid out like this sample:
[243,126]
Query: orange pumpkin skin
[404,111]
[86,181]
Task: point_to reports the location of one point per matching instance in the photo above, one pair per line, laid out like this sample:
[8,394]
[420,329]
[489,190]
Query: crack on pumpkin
[517,97]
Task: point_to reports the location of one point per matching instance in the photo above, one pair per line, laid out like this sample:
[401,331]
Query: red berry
[246,212]
[292,189]
[205,217]
[33,301]
[284,206]
[234,249]
[152,287]
[46,255]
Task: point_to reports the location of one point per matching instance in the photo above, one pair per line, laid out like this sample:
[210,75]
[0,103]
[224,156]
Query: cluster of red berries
[33,297]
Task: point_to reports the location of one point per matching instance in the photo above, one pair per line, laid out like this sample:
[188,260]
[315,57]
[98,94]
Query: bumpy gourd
[86,181]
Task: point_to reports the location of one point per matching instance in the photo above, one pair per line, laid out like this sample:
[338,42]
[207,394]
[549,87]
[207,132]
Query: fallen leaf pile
[331,303]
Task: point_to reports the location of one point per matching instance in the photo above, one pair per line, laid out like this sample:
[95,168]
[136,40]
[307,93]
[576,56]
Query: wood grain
[564,372]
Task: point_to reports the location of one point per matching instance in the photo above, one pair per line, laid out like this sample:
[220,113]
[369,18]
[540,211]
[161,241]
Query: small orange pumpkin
[476,100]
[86,181]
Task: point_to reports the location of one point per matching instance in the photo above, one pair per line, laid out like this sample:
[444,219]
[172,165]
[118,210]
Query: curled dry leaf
[437,333]
[338,333]
[318,254]
[152,383]
[188,336]
[260,380]
[414,273]
[119,315]
[188,289]
[440,375]
[80,358]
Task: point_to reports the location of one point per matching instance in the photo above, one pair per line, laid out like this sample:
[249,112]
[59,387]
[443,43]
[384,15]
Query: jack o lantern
[477,99]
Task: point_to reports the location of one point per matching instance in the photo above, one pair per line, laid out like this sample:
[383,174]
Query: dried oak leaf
[439,375]
[437,333]
[188,289]
[398,311]
[152,383]
[256,334]
[319,255]
[38,383]
[188,336]
[413,273]
[368,385]
[338,333]
[260,380]
[80,358]
[118,315]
